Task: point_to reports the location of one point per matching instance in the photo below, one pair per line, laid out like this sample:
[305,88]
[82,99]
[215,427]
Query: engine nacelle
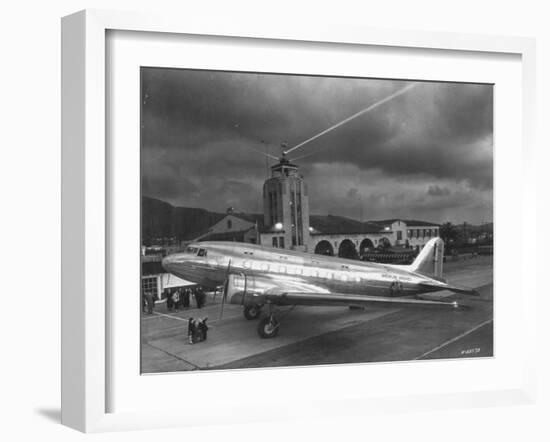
[243,289]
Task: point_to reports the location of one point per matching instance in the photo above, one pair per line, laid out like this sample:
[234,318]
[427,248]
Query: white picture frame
[85,215]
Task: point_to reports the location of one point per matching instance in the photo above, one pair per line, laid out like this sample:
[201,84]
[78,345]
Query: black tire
[252,312]
[267,328]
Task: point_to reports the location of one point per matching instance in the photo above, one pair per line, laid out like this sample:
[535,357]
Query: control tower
[286,205]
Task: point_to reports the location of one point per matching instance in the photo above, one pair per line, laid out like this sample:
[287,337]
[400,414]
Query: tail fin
[430,259]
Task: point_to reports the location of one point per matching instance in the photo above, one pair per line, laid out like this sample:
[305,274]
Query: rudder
[429,261]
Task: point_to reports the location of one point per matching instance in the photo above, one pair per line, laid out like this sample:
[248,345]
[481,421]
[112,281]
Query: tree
[448,233]
[383,245]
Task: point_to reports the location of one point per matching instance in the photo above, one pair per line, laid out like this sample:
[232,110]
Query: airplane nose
[168,263]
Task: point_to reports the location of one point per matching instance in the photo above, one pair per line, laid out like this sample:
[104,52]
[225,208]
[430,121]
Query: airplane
[259,277]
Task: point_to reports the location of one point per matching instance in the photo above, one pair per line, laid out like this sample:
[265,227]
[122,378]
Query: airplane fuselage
[206,263]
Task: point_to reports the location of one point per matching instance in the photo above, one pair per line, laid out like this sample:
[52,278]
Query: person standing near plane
[186,294]
[169,302]
[199,296]
[176,300]
[202,296]
[180,299]
[150,301]
[195,295]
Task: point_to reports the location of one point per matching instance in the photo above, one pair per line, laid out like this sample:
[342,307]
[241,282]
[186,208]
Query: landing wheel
[268,327]
[252,312]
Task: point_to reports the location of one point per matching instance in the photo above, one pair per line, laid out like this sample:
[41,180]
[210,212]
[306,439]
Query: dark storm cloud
[353,192]
[438,191]
[200,130]
[418,133]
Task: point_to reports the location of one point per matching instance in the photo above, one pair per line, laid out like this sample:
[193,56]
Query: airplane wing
[297,298]
[295,291]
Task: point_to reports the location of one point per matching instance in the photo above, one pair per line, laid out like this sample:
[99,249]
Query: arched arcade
[324,248]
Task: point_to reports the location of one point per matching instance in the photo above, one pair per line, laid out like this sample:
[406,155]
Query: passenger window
[202,252]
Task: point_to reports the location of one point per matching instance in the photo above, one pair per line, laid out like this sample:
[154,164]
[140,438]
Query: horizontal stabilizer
[464,290]
[453,288]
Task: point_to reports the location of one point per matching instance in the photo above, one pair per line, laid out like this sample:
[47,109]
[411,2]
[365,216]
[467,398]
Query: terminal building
[286,222]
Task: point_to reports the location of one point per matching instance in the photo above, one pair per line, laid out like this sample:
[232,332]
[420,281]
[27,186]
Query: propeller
[244,291]
[225,287]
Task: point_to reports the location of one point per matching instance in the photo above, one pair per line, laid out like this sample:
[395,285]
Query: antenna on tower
[284,145]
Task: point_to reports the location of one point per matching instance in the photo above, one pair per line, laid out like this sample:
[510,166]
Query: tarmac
[327,335]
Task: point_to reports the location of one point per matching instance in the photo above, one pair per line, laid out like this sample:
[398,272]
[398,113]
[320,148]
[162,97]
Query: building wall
[152,283]
[420,235]
[273,239]
[399,233]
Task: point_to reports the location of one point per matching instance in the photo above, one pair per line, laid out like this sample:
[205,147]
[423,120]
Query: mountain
[331,224]
[161,221]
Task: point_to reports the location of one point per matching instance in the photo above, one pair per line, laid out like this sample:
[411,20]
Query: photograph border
[85,198]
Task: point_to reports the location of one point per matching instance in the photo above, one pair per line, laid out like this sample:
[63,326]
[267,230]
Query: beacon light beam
[358,114]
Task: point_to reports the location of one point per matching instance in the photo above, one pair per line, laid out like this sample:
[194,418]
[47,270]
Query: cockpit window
[202,252]
[192,250]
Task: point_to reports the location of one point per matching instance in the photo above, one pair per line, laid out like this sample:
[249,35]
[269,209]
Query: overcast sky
[426,154]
